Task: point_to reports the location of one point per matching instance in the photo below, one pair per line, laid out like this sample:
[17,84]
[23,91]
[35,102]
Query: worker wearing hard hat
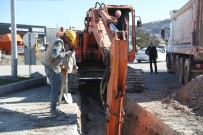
[52,60]
[69,39]
[72,36]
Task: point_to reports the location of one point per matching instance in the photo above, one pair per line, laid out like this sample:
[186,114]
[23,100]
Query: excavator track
[73,83]
[135,80]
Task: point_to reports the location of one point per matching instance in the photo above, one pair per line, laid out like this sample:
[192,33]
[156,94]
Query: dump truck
[185,41]
[103,52]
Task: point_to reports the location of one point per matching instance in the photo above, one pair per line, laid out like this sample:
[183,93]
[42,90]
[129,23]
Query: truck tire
[177,63]
[187,71]
[168,64]
[181,70]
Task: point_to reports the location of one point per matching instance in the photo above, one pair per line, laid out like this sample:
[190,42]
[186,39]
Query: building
[22,29]
[51,34]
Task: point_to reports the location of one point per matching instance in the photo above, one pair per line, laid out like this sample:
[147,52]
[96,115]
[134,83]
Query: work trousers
[153,60]
[55,82]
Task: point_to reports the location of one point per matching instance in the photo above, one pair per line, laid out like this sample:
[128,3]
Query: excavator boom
[115,49]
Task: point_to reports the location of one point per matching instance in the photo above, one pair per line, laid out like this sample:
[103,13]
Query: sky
[71,13]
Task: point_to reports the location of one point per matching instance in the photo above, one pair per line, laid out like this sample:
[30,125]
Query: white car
[141,56]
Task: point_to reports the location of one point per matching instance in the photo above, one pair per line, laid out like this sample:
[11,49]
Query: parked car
[163,47]
[141,56]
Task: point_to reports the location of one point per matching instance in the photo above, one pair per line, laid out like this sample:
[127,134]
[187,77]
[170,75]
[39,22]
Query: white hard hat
[58,46]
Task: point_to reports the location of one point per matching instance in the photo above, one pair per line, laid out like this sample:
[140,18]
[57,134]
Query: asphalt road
[27,112]
[23,70]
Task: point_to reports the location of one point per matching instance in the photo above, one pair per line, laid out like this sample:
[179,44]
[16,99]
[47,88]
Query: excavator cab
[128,13]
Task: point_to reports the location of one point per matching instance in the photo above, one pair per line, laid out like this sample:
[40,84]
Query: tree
[155,40]
[143,38]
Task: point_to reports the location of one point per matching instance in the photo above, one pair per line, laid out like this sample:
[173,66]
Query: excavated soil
[92,112]
[191,95]
[179,107]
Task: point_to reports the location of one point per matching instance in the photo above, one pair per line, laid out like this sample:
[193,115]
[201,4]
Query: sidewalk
[22,71]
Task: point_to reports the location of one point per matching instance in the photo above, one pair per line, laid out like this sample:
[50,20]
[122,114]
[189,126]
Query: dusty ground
[163,97]
[192,95]
[27,113]
[178,106]
[159,98]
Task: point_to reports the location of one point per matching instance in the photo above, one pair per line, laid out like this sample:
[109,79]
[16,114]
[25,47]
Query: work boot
[54,113]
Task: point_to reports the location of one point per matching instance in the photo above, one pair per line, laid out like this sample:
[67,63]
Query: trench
[92,112]
[137,120]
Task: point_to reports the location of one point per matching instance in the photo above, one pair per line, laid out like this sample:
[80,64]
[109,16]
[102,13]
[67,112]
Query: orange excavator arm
[116,87]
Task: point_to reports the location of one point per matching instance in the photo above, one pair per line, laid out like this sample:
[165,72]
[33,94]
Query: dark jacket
[152,52]
[121,24]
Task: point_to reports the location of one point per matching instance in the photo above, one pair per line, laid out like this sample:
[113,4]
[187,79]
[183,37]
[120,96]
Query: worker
[121,21]
[69,39]
[52,60]
[152,53]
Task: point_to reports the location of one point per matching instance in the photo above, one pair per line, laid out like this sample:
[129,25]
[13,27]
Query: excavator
[103,52]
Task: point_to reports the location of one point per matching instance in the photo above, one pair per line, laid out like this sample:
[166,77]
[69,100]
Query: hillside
[155,27]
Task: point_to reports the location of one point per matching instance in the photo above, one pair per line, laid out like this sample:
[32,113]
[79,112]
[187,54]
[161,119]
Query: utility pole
[14,60]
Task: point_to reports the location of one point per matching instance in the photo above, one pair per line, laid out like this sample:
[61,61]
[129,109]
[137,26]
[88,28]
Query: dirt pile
[191,95]
[138,121]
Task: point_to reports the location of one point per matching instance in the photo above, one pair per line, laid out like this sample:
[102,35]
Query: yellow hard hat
[72,35]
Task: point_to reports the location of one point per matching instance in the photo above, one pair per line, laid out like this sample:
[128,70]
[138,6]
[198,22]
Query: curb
[23,85]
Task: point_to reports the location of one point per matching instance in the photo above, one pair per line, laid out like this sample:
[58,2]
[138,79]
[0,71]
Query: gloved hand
[55,53]
[68,54]
[65,54]
[75,71]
